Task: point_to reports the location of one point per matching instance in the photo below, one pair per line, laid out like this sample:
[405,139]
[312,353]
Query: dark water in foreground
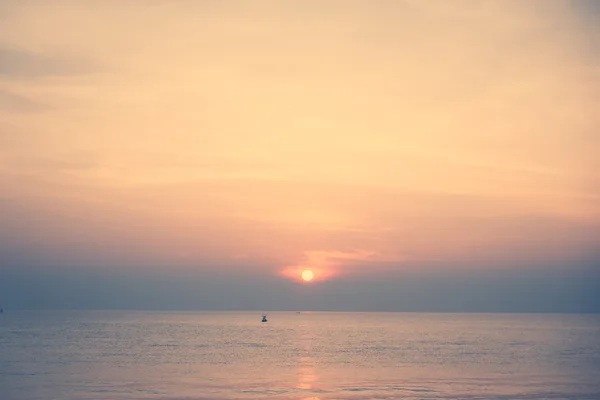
[212,355]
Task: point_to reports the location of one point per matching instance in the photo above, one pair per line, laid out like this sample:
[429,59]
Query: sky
[415,155]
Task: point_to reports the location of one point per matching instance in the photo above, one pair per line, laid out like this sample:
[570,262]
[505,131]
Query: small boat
[264,318]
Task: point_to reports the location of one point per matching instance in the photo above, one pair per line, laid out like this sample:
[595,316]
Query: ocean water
[232,355]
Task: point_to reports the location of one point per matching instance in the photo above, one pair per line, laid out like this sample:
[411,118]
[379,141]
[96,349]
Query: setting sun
[307,275]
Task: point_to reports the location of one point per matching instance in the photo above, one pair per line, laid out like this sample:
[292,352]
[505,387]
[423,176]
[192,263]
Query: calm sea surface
[226,355]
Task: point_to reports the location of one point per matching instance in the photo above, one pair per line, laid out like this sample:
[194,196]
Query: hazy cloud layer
[13,103]
[19,63]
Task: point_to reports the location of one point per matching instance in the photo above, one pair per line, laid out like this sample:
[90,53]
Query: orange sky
[283,135]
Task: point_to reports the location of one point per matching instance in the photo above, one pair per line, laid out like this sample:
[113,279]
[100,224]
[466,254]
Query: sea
[106,355]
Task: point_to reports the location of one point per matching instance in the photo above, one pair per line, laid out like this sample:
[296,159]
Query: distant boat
[264,318]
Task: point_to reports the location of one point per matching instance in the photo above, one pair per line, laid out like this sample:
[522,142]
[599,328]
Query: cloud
[588,8]
[26,64]
[10,103]
[327,264]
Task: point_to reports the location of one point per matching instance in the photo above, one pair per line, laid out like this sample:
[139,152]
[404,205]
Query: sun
[307,275]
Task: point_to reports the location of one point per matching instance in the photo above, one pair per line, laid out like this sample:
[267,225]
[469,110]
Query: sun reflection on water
[306,376]
[306,373]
